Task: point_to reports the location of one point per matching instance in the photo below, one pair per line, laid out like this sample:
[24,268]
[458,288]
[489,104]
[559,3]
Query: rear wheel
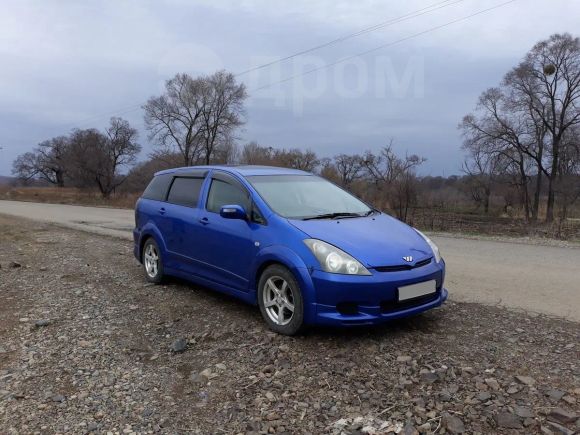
[152,262]
[280,300]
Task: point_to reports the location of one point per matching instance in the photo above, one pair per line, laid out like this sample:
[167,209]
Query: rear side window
[185,191]
[157,188]
[222,193]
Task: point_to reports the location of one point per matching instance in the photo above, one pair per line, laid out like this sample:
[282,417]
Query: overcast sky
[67,64]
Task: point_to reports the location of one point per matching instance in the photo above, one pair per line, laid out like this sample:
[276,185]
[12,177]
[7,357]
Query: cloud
[69,63]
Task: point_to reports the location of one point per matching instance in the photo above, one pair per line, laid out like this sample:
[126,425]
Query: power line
[428,9]
[398,41]
[132,108]
[408,16]
[120,111]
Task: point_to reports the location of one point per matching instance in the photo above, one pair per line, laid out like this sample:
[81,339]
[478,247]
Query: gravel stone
[524,412]
[453,424]
[561,415]
[58,398]
[492,383]
[179,345]
[484,396]
[41,323]
[558,429]
[526,380]
[429,377]
[508,420]
[107,364]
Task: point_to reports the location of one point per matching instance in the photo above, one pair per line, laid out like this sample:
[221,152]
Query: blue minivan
[301,248]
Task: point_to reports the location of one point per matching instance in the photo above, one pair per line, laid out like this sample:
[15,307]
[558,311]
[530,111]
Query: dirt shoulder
[101,360]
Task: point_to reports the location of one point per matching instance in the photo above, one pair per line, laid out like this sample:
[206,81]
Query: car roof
[243,170]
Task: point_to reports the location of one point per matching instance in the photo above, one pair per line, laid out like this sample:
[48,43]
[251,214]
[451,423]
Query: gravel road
[528,276]
[87,346]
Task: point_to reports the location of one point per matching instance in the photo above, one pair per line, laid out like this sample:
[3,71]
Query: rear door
[152,205]
[182,212]
[226,246]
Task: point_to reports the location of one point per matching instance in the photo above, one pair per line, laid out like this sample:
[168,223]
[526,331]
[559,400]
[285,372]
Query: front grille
[401,267]
[391,306]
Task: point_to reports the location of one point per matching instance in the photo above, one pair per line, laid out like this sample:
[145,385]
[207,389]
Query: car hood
[379,240]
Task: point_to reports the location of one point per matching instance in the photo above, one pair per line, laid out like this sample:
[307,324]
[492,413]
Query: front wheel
[280,300]
[152,262]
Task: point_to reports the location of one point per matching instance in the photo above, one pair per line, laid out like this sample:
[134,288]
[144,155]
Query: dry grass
[469,223]
[68,195]
[424,218]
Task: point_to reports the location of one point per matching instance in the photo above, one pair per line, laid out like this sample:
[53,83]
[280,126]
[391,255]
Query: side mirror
[233,212]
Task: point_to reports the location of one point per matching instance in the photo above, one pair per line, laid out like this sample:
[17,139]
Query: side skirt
[248,297]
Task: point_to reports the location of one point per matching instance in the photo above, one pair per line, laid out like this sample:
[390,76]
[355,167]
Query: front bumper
[137,244]
[365,300]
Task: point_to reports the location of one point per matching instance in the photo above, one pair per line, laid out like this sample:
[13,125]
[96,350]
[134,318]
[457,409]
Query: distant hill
[4,181]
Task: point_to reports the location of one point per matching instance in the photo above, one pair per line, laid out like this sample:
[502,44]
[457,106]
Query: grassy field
[472,223]
[68,195]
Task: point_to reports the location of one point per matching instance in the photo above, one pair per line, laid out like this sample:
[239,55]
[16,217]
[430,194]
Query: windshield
[306,196]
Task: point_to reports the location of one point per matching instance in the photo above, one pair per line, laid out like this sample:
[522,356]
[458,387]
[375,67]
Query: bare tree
[174,118]
[226,151]
[222,110]
[567,186]
[394,177]
[255,154]
[547,83]
[501,132]
[386,166]
[48,161]
[193,115]
[120,151]
[483,169]
[98,158]
[348,167]
[295,158]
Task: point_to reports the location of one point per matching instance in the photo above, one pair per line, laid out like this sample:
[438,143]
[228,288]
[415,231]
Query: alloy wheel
[278,299]
[151,259]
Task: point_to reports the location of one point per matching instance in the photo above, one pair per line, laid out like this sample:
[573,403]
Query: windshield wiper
[371,212]
[332,216]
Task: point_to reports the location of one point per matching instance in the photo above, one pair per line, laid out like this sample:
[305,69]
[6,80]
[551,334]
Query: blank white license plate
[417,290]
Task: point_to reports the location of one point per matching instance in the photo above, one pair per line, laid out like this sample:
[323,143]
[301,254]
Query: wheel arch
[151,232]
[287,258]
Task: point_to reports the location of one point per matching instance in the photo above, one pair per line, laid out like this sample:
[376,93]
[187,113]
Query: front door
[225,247]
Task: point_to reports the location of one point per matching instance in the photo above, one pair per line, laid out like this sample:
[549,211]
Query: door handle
[162,210]
[204,221]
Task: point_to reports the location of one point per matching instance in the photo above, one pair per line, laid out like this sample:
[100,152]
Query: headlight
[334,260]
[432,245]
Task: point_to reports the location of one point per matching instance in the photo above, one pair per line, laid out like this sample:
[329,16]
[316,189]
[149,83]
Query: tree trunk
[59,178]
[550,203]
[537,193]
[552,179]
[526,199]
[564,211]
[486,201]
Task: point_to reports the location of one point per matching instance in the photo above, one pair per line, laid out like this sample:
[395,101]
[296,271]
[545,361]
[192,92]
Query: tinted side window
[222,193]
[185,191]
[157,188]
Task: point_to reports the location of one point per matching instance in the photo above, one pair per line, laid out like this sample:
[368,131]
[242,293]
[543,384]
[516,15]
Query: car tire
[280,300]
[152,261]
